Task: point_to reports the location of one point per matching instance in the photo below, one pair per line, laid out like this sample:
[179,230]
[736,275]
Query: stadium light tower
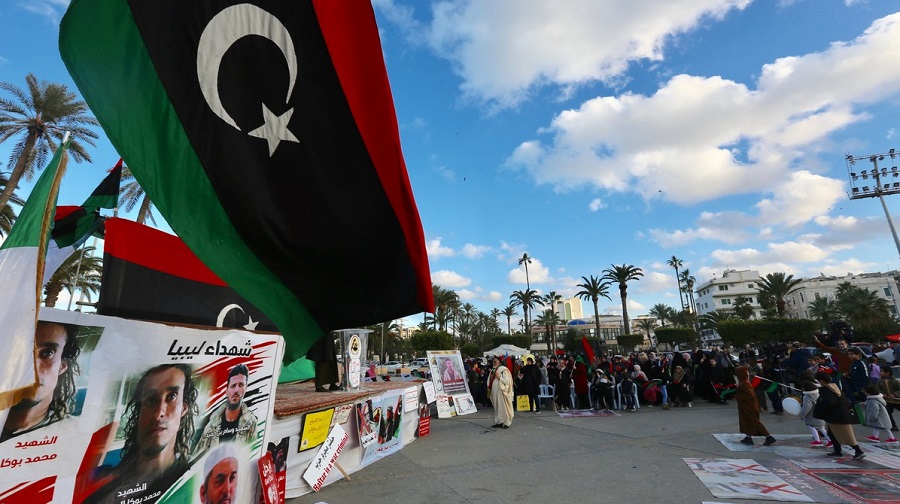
[883,182]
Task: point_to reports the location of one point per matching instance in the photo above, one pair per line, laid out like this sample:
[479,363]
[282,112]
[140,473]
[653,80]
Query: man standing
[500,388]
[233,420]
[56,352]
[157,435]
[220,483]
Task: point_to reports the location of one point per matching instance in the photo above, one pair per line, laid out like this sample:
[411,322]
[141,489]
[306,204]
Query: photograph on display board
[368,416]
[128,423]
[447,372]
[63,356]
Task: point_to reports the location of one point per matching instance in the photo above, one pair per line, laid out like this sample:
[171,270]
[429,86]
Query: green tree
[677,263]
[824,310]
[594,288]
[549,319]
[526,261]
[647,325]
[622,275]
[683,336]
[687,282]
[776,287]
[8,214]
[508,312]
[868,314]
[663,313]
[550,299]
[710,321]
[131,193]
[470,350]
[742,308]
[630,341]
[72,277]
[40,116]
[445,300]
[527,300]
[423,341]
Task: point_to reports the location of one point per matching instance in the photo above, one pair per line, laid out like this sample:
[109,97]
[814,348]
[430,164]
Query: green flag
[21,275]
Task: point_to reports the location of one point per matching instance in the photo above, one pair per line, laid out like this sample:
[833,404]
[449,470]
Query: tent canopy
[512,350]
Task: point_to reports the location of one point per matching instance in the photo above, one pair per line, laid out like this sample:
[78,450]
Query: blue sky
[588,133]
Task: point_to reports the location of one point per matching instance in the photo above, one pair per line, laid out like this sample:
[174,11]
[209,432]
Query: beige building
[885,285]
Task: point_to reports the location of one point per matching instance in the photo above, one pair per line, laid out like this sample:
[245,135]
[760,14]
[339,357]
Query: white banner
[139,412]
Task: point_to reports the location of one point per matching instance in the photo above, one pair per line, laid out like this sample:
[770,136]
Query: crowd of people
[838,374]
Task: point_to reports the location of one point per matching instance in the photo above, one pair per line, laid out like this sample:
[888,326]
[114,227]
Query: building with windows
[721,293]
[885,285]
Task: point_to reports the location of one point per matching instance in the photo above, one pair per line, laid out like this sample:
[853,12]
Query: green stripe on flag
[772,387]
[102,34]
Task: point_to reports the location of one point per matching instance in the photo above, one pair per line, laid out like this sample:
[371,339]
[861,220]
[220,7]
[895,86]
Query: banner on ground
[121,396]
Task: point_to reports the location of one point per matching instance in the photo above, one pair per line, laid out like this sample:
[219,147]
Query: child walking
[877,416]
[815,426]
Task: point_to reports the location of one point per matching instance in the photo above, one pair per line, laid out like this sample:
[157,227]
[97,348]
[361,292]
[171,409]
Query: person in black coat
[834,408]
[531,384]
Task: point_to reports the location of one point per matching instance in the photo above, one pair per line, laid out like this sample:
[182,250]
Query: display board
[139,412]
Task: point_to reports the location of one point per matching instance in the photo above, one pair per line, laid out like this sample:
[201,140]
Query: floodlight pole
[880,189]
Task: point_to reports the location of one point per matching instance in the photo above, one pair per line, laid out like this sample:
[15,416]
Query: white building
[720,293]
[883,284]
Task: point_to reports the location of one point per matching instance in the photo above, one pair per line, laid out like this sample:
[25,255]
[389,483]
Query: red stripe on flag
[346,27]
[154,249]
[63,211]
[587,349]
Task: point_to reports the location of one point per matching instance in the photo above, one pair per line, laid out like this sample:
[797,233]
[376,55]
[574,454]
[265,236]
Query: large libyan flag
[265,133]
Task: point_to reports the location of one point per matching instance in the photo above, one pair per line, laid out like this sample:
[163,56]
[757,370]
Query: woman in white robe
[500,387]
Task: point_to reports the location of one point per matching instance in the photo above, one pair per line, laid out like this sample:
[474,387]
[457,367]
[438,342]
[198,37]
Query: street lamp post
[879,187]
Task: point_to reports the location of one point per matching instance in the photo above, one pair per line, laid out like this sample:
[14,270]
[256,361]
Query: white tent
[512,350]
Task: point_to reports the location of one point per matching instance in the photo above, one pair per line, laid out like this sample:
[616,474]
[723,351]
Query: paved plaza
[633,458]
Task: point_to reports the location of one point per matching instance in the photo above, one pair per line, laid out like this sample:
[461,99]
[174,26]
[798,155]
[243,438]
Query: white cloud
[596,204]
[473,251]
[505,49]
[537,274]
[701,138]
[446,173]
[449,279]
[436,250]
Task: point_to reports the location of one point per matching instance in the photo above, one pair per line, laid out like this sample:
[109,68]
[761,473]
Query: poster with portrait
[126,396]
[447,372]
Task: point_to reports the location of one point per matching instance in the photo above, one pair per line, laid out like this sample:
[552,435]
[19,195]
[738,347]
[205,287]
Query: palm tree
[527,300]
[444,301]
[508,312]
[742,308]
[864,310]
[677,263]
[526,261]
[132,192]
[777,286]
[549,319]
[687,282]
[824,310]
[593,288]
[710,320]
[41,115]
[550,299]
[8,214]
[648,325]
[663,313]
[87,281]
[622,275]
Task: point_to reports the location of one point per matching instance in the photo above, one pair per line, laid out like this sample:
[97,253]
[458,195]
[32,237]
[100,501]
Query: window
[726,301]
[887,292]
[818,296]
[723,287]
[751,286]
[801,297]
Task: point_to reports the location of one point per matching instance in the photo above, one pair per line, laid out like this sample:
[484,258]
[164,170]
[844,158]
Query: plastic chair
[621,402]
[546,392]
